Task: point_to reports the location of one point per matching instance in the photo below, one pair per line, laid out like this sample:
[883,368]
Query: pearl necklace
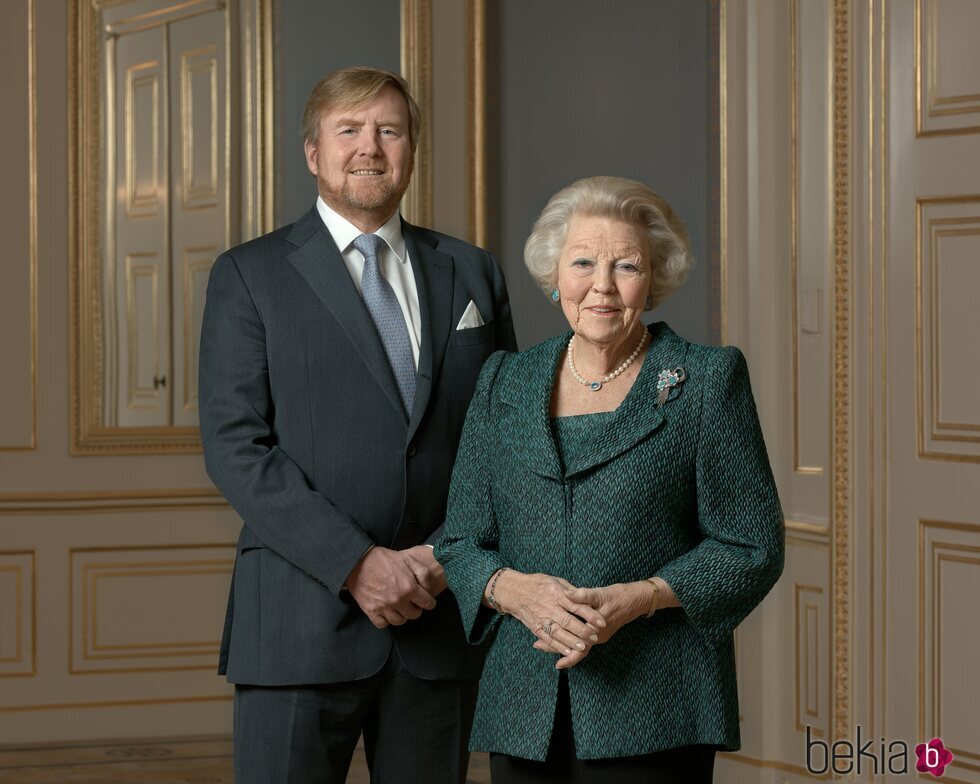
[595,386]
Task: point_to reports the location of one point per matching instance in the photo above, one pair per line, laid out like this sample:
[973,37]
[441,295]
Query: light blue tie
[388,317]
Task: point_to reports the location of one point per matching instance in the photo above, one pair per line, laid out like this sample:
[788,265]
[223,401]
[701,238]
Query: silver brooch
[667,380]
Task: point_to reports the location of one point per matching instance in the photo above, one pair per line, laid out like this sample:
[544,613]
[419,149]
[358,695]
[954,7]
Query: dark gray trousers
[414,730]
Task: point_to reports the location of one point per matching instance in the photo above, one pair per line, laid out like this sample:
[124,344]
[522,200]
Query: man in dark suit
[338,357]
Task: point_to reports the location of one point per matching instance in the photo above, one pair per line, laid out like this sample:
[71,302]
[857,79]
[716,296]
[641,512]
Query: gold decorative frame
[416,59]
[105,501]
[877,275]
[90,650]
[723,169]
[968,104]
[927,424]
[798,467]
[800,644]
[115,703]
[841,550]
[32,587]
[821,530]
[89,435]
[928,552]
[257,61]
[32,222]
[717,155]
[476,114]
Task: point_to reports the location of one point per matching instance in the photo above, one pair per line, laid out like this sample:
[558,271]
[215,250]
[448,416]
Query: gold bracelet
[493,584]
[655,604]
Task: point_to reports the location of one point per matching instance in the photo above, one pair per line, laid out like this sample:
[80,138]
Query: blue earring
[555,296]
[649,303]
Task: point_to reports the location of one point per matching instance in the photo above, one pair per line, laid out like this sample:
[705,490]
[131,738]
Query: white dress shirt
[395,265]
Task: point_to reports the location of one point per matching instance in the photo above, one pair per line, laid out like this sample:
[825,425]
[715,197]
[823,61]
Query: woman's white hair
[621,199]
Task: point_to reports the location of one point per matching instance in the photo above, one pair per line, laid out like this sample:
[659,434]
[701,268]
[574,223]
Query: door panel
[932,557]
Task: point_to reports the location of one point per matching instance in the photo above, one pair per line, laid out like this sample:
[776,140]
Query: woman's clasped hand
[567,620]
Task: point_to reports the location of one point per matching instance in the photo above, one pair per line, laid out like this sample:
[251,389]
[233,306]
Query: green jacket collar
[529,386]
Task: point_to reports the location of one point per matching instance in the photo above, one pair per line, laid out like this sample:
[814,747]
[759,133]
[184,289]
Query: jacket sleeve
[468,547]
[728,573]
[267,489]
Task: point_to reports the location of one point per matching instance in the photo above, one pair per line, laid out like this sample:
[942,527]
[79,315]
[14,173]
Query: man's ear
[312,161]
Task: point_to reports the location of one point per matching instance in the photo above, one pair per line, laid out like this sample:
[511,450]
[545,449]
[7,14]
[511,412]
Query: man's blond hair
[354,87]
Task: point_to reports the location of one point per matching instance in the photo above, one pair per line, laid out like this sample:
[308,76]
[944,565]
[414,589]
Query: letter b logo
[812,744]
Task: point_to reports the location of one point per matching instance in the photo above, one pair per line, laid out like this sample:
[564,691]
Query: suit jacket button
[411,450]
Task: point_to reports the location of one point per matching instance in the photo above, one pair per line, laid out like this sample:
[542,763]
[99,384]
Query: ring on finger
[546,626]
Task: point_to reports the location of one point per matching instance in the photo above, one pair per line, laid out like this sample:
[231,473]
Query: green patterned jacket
[684,491]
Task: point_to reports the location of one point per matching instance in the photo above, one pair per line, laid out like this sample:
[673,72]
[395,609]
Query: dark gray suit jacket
[305,435]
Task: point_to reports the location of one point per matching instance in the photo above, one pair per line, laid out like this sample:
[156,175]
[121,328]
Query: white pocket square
[471,317]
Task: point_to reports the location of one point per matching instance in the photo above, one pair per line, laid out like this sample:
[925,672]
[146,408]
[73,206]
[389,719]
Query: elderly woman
[612,515]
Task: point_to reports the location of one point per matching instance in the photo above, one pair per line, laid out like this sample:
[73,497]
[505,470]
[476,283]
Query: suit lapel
[528,390]
[433,271]
[317,259]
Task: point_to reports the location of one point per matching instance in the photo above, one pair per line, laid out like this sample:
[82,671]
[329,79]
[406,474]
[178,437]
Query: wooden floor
[178,761]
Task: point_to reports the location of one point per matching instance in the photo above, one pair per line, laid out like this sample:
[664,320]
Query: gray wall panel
[581,87]
[314,37]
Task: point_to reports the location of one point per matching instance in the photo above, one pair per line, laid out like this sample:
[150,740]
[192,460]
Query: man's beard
[380,195]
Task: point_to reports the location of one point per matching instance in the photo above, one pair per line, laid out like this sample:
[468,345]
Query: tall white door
[931,281]
[169,105]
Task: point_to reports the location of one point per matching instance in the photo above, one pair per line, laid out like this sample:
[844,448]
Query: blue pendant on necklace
[595,386]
